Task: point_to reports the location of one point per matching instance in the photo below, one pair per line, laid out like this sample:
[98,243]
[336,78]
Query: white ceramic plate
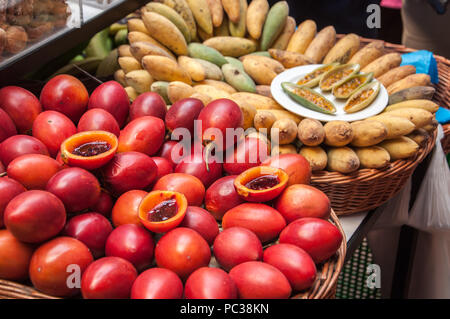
[294,74]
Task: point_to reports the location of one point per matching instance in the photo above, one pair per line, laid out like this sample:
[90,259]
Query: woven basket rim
[323,287]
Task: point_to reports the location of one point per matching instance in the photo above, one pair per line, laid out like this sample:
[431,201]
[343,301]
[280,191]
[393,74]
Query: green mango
[238,79]
[201,51]
[275,21]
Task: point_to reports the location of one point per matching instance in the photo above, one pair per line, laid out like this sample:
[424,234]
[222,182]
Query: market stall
[335,127]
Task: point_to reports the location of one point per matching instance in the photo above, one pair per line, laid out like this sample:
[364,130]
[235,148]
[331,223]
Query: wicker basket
[367,189]
[323,288]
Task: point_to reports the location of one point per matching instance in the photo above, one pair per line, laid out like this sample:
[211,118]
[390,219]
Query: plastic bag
[395,211]
[430,276]
[431,210]
[424,62]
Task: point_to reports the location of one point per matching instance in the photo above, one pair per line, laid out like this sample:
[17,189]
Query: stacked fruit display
[90,187]
[230,49]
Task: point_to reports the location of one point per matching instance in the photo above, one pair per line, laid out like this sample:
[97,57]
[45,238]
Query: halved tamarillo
[161,211]
[33,170]
[89,150]
[263,220]
[261,183]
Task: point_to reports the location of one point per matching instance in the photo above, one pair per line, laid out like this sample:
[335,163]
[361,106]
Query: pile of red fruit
[90,187]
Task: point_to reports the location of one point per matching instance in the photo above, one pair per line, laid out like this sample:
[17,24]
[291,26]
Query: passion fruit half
[89,150]
[261,183]
[161,211]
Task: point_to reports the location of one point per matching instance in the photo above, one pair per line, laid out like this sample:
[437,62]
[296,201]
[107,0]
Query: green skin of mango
[235,62]
[275,21]
[200,51]
[289,89]
[238,79]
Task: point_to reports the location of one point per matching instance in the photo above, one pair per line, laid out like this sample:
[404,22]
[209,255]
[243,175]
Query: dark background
[347,16]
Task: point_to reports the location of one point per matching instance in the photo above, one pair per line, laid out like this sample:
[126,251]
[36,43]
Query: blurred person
[391,21]
[426,25]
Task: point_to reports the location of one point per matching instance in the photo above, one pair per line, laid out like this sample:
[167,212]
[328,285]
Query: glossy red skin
[126,208]
[202,222]
[220,114]
[35,216]
[294,263]
[145,134]
[148,104]
[190,186]
[221,196]
[15,257]
[157,283]
[52,128]
[92,229]
[9,189]
[7,127]
[77,188]
[66,94]
[195,165]
[104,204]
[98,120]
[183,113]
[258,280]
[182,250]
[2,168]
[132,243]
[49,265]
[21,105]
[261,219]
[250,152]
[236,245]
[164,167]
[210,283]
[19,145]
[298,201]
[108,278]
[318,237]
[33,170]
[129,171]
[111,97]
[166,152]
[295,165]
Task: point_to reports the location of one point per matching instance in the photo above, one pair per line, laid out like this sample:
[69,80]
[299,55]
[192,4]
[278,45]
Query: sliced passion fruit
[363,97]
[351,85]
[89,150]
[308,98]
[337,75]
[161,211]
[261,183]
[313,78]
